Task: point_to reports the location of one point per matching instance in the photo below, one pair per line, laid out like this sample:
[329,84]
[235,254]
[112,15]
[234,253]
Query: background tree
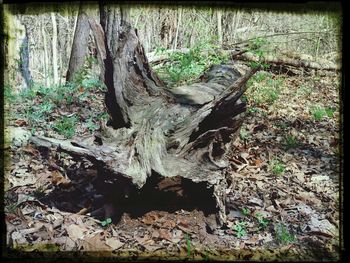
[24,60]
[79,45]
[54,49]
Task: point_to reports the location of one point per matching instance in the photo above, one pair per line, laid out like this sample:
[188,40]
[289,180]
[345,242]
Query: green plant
[34,116]
[261,76]
[106,222]
[160,50]
[256,47]
[66,126]
[188,244]
[304,90]
[240,229]
[28,94]
[8,94]
[277,167]
[244,133]
[102,116]
[206,255]
[188,66]
[253,110]
[291,142]
[245,211]
[92,126]
[263,222]
[329,112]
[283,235]
[264,89]
[257,43]
[319,112]
[46,107]
[33,131]
[11,208]
[93,83]
[282,125]
[254,64]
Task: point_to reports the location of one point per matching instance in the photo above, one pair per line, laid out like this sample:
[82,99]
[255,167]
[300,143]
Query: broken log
[157,131]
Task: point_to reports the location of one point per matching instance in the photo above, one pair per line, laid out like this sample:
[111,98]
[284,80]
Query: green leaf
[188,242]
[103,223]
[108,220]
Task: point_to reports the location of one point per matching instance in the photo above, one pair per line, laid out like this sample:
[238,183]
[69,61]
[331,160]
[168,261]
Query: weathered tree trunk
[80,45]
[182,132]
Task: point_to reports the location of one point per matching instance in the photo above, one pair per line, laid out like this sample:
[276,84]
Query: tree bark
[158,132]
[54,49]
[46,59]
[24,56]
[219,18]
[98,33]
[178,24]
[79,46]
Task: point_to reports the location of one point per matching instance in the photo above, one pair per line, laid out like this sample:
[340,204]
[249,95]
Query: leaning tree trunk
[182,132]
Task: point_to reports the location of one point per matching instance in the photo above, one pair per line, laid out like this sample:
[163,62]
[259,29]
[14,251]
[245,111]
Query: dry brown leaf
[30,149]
[252,241]
[57,178]
[258,162]
[177,236]
[300,176]
[155,234]
[114,243]
[20,123]
[152,247]
[150,219]
[244,155]
[95,243]
[165,234]
[18,238]
[169,224]
[75,232]
[322,226]
[255,201]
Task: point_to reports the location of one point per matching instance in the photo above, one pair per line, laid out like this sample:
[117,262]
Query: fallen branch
[298,61]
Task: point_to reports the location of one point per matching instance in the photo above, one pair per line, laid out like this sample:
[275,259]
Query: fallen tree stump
[154,131]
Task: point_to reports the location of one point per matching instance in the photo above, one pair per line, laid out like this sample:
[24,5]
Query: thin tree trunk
[219,18]
[24,56]
[54,49]
[79,46]
[178,26]
[46,59]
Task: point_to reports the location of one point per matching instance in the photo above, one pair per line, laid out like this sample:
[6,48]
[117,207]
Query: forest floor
[282,197]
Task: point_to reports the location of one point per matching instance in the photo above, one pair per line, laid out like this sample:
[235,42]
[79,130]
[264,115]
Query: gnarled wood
[180,132]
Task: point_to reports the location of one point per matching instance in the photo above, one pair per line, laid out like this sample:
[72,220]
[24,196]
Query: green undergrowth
[252,223]
[186,68]
[59,108]
[264,88]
